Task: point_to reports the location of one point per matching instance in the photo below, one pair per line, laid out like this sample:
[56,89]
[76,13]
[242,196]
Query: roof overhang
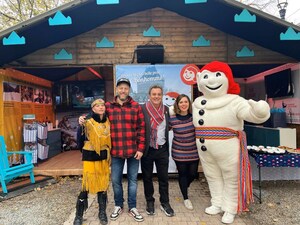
[86,15]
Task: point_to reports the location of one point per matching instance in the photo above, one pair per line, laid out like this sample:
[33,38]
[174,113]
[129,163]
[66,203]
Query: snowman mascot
[218,117]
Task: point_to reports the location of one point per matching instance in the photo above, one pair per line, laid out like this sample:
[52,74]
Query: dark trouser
[161,159]
[187,172]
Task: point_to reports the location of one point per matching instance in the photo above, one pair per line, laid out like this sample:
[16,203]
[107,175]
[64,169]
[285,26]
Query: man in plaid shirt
[128,143]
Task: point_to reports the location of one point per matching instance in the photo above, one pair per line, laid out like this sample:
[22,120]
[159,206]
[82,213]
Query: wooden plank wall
[177,35]
[11,112]
[43,112]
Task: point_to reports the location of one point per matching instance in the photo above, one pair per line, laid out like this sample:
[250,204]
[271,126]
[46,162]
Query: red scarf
[156,118]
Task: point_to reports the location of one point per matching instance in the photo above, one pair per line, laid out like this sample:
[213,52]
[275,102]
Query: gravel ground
[50,205]
[54,203]
[280,204]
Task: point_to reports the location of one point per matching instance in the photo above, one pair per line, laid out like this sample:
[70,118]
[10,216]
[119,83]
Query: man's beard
[122,98]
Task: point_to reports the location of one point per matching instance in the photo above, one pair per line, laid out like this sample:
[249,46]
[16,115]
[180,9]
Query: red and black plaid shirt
[127,128]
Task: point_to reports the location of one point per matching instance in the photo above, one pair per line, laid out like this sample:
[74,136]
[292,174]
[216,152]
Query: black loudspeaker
[150,54]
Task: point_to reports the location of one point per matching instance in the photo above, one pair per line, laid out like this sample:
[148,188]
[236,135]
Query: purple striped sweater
[184,141]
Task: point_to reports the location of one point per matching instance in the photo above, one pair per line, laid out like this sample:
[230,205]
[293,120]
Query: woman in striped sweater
[184,149]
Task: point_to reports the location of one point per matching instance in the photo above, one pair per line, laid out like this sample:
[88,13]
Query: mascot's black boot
[102,199]
[81,206]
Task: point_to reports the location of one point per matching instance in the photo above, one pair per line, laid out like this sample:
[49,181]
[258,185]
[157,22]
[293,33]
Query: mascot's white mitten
[218,117]
[261,108]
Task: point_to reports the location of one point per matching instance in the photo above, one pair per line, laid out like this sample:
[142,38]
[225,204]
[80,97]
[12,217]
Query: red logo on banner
[188,74]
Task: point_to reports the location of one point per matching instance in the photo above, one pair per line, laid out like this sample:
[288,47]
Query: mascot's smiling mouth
[210,88]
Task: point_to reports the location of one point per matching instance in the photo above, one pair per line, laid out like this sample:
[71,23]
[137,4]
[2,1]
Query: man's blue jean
[117,165]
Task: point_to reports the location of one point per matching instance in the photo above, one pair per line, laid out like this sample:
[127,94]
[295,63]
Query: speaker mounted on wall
[150,54]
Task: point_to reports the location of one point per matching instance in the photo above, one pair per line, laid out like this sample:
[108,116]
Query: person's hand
[138,155]
[81,119]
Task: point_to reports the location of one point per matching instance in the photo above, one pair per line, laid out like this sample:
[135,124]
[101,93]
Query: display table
[274,160]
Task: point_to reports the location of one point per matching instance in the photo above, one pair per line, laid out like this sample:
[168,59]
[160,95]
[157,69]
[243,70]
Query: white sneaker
[116,213]
[213,210]
[228,218]
[136,215]
[188,204]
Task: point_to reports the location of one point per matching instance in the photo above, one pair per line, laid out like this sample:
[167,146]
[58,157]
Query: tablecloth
[276,160]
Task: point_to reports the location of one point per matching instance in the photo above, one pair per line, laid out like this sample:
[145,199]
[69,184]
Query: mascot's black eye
[218,74]
[205,76]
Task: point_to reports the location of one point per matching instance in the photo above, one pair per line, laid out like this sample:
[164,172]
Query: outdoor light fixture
[282,4]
